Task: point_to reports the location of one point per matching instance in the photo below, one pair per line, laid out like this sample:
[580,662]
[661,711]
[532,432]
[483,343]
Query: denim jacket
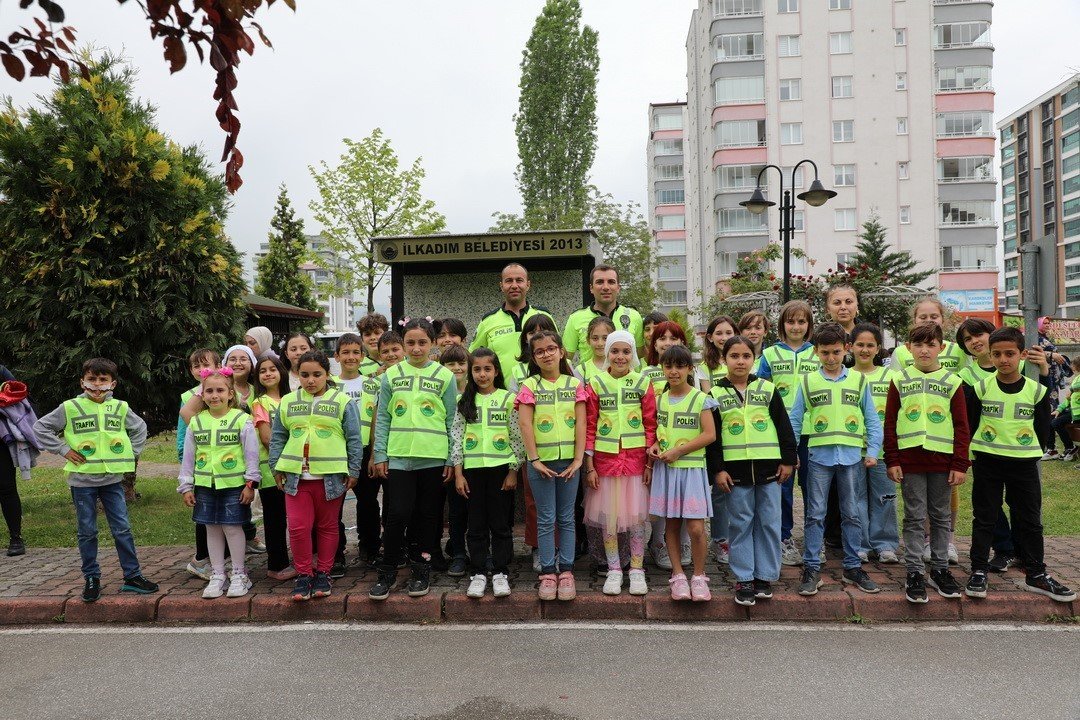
[333,483]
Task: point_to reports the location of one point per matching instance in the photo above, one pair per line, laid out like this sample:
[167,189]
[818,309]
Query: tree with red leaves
[218,28]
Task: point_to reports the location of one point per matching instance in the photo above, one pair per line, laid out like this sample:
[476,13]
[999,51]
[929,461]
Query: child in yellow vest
[315,454]
[417,401]
[371,328]
[271,384]
[677,470]
[455,358]
[486,450]
[1008,415]
[203,358]
[599,328]
[712,369]
[621,425]
[551,411]
[754,454]
[219,477]
[100,436]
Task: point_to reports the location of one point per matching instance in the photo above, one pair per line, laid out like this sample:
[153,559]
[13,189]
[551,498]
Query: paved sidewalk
[44,586]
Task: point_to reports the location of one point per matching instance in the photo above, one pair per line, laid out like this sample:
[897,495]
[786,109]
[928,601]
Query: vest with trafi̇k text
[487,440]
[715,375]
[317,423]
[655,374]
[554,416]
[97,431]
[924,419]
[787,367]
[417,411]
[879,382]
[678,424]
[219,456]
[834,413]
[1007,420]
[270,405]
[746,430]
[619,424]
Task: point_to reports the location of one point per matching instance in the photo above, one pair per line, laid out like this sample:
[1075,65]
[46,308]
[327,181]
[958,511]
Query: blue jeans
[787,491]
[878,516]
[718,528]
[755,532]
[112,499]
[555,500]
[851,487]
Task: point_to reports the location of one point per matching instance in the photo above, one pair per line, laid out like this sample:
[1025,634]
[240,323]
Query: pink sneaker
[567,587]
[679,589]
[699,588]
[547,589]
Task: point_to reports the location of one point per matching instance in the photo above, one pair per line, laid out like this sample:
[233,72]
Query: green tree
[366,196]
[279,276]
[624,237]
[113,245]
[556,118]
[872,253]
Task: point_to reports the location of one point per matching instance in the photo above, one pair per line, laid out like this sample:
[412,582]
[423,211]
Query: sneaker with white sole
[660,557]
[239,585]
[215,588]
[1051,454]
[255,547]
[638,586]
[613,583]
[888,557]
[863,556]
[477,586]
[200,568]
[500,586]
[790,554]
[721,551]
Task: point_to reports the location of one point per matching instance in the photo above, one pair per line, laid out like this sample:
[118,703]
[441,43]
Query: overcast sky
[440,78]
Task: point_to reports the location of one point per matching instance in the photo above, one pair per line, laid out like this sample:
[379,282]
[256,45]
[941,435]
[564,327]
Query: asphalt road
[541,672]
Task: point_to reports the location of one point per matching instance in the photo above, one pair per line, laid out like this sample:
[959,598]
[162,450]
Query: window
[843,175]
[740,133]
[968,257]
[670,222]
[727,263]
[1008,171]
[734,90]
[903,170]
[1011,265]
[667,121]
[674,296]
[1009,208]
[965,169]
[669,172]
[1007,134]
[844,219]
[1012,283]
[839,4]
[965,124]
[799,182]
[1070,142]
[974,77]
[789,45]
[961,34]
[841,86]
[1008,152]
[672,268]
[668,147]
[672,247]
[670,197]
[791,133]
[1010,246]
[843,260]
[791,89]
[740,221]
[967,212]
[1070,96]
[1070,165]
[1070,207]
[901,81]
[744,46]
[839,43]
[1009,228]
[900,36]
[736,8]
[901,126]
[799,222]
[737,177]
[843,131]
[1071,185]
[905,214]
[787,6]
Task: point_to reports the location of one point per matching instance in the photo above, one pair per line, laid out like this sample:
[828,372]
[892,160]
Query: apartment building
[1044,134]
[667,203]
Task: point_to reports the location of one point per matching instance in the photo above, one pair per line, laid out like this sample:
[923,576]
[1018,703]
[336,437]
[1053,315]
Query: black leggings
[414,508]
[10,503]
[274,527]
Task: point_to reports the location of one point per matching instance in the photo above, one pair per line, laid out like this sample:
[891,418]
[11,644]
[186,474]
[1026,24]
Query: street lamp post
[816,196]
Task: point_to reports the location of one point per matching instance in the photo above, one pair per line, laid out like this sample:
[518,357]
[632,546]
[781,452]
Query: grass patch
[160,449]
[1063,619]
[857,619]
[158,518]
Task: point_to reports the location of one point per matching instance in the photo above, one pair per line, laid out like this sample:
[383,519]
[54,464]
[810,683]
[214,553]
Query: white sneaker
[888,557]
[477,586]
[1051,455]
[686,555]
[638,586]
[200,568]
[789,553]
[954,557]
[215,588]
[721,551]
[864,556]
[613,584]
[239,585]
[500,586]
[537,567]
[661,557]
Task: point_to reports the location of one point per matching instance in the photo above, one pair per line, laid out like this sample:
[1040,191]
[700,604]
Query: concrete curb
[523,606]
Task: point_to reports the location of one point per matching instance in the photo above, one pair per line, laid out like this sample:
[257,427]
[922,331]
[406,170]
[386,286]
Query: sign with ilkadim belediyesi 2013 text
[436,248]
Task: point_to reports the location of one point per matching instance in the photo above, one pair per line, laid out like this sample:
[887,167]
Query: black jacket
[750,472]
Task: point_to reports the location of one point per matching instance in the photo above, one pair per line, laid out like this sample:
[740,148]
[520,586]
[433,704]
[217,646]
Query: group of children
[614,449]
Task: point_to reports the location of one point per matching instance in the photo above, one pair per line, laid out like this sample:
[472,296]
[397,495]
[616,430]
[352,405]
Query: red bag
[12,392]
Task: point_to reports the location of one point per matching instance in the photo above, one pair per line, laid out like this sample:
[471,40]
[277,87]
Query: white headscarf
[245,348]
[624,337]
[264,339]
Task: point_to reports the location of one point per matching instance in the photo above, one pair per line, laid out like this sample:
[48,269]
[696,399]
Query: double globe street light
[816,196]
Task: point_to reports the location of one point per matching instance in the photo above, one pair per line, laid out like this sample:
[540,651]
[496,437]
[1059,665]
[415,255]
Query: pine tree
[872,253]
[279,275]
